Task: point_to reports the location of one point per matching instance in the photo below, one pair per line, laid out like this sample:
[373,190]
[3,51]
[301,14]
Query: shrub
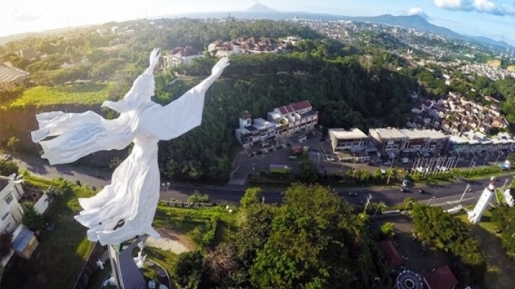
[32,219]
[196,197]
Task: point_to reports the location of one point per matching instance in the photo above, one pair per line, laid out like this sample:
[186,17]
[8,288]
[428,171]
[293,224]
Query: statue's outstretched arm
[183,114]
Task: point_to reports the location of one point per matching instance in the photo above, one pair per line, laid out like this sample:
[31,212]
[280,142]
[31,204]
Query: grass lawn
[185,220]
[86,93]
[61,252]
[500,266]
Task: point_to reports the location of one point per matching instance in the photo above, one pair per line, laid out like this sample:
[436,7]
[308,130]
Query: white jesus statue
[125,208]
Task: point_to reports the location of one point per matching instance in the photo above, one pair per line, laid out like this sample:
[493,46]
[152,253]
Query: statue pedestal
[125,271]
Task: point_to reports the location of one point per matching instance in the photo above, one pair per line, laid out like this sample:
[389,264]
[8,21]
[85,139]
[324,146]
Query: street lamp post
[368,202]
[467,188]
[378,206]
[429,201]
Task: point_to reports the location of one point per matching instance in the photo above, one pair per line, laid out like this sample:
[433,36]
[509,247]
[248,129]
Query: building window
[5,216]
[9,198]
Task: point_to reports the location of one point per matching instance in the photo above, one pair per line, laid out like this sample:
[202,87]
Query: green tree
[8,168]
[32,219]
[188,272]
[251,196]
[388,230]
[12,144]
[6,240]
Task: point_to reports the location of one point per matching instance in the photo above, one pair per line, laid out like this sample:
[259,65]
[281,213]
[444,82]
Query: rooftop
[458,139]
[353,133]
[434,134]
[10,74]
[390,254]
[441,278]
[293,107]
[413,133]
[388,133]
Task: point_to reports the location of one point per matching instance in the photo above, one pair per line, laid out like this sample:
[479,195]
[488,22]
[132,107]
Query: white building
[11,212]
[180,55]
[353,140]
[11,77]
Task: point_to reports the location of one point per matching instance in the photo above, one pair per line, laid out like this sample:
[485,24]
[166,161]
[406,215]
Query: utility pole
[369,197]
[464,192]
[429,201]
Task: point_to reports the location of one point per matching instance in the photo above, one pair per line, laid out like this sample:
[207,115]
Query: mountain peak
[259,8]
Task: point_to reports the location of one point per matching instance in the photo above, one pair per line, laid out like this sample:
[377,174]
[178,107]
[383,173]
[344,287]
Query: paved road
[446,196]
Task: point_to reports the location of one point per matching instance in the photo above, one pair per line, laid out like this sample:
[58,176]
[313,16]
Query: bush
[32,219]
[196,197]
[387,230]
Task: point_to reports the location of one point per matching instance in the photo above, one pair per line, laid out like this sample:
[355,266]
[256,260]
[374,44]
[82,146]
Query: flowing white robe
[133,194]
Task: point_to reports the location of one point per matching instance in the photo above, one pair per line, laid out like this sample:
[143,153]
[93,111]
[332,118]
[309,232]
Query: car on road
[423,192]
[405,183]
[352,194]
[329,158]
[404,190]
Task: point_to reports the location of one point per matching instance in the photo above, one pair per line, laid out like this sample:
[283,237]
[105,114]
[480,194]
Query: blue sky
[492,18]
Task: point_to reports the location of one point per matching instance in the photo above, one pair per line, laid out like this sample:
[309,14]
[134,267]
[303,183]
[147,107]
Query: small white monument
[475,215]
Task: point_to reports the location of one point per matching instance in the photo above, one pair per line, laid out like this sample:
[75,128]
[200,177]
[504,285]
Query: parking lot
[258,158]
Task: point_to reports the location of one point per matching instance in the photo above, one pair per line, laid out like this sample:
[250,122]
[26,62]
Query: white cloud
[416,11]
[481,6]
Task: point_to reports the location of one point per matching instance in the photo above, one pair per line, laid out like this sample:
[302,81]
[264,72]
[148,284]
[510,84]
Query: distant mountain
[416,22]
[260,8]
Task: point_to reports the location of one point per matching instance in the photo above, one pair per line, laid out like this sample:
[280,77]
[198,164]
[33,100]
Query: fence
[176,204]
[89,267]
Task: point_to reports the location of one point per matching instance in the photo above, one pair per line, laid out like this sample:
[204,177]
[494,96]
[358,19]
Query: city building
[416,140]
[284,121]
[353,140]
[387,140]
[436,141]
[458,144]
[503,141]
[10,77]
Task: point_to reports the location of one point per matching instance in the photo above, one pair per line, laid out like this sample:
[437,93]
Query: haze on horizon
[490,18]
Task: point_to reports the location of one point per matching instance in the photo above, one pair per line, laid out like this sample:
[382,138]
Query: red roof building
[390,254]
[441,278]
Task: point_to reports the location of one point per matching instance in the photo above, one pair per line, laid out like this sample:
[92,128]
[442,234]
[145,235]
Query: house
[391,256]
[283,121]
[11,77]
[254,131]
[180,55]
[29,53]
[503,141]
[11,211]
[387,140]
[294,118]
[353,140]
[440,278]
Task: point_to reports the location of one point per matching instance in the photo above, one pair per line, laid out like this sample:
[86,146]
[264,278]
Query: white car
[404,160]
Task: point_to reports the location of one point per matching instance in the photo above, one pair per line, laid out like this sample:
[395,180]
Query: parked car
[423,192]
[329,158]
[302,138]
[405,183]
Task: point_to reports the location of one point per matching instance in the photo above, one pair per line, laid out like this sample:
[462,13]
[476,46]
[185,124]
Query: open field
[494,62]
[87,93]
